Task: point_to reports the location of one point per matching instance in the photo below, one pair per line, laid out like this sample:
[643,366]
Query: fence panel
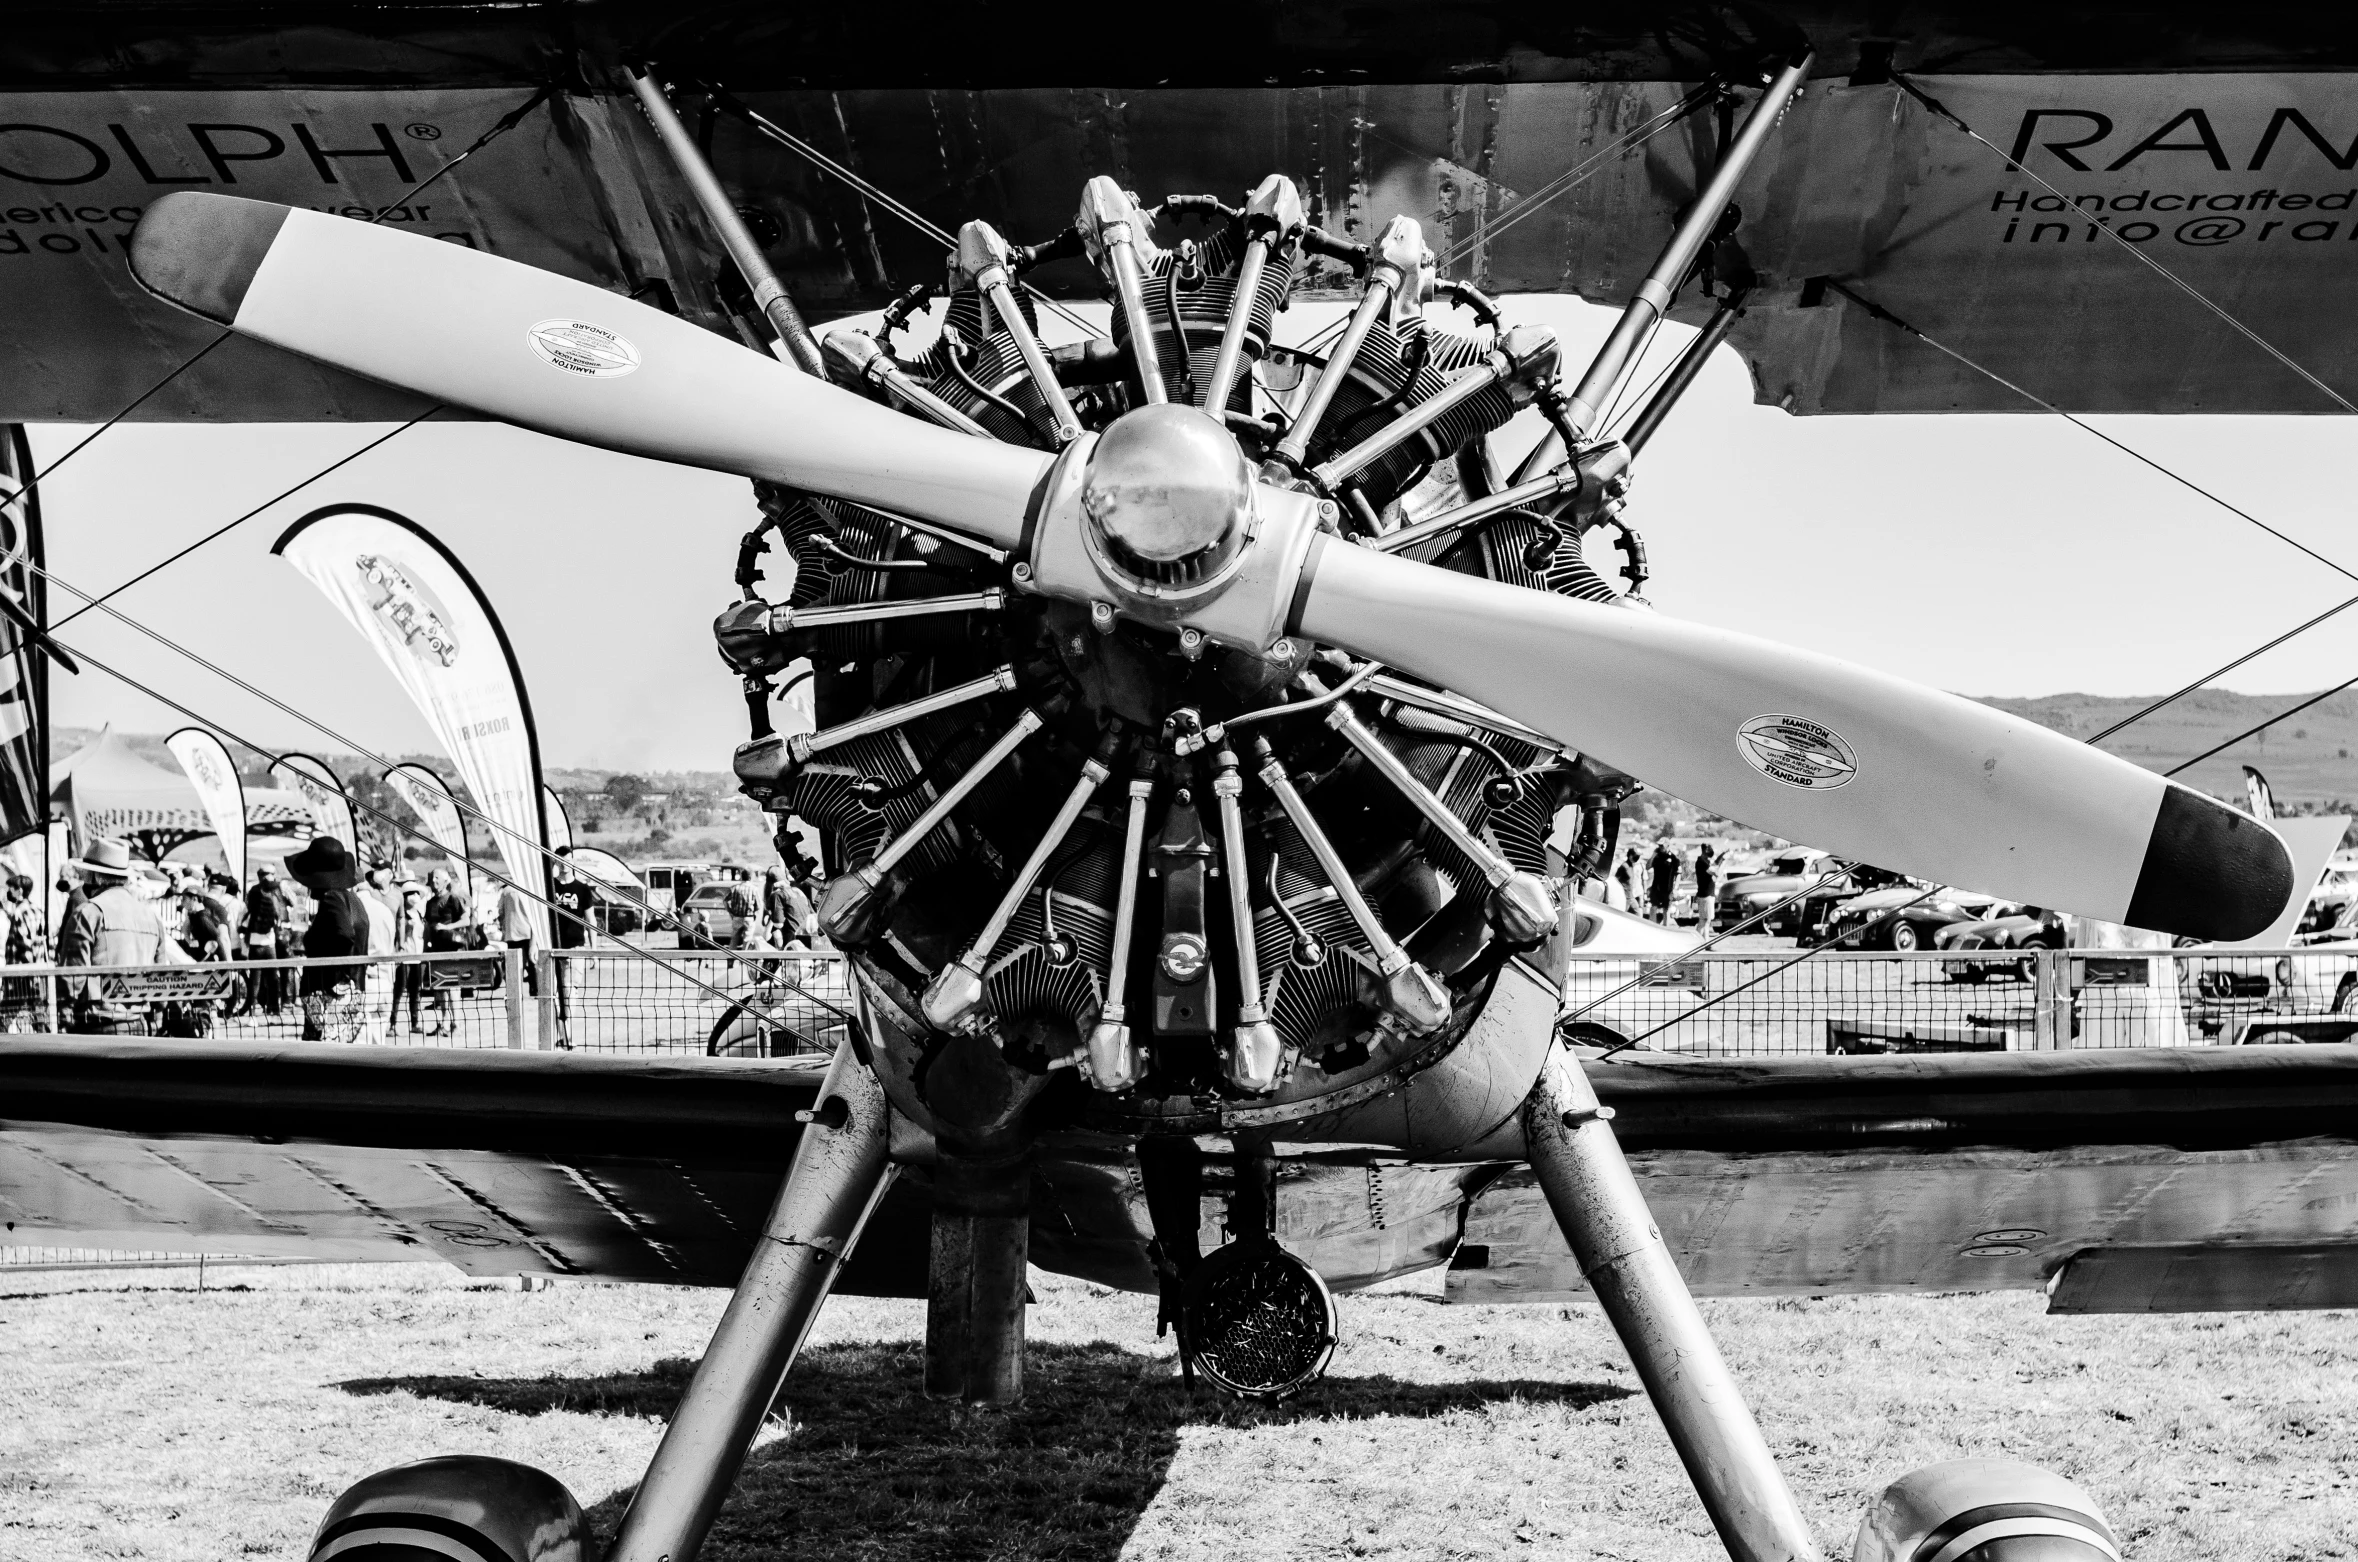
[607,999]
[1765,1002]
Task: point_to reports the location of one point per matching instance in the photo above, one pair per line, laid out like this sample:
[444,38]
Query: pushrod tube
[1255,1055]
[1562,480]
[1414,421]
[786,619]
[839,1173]
[1130,283]
[769,294]
[1295,446]
[1612,362]
[892,716]
[1240,317]
[1588,1185]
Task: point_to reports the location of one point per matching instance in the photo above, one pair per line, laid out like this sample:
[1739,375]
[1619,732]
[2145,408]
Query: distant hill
[2310,760]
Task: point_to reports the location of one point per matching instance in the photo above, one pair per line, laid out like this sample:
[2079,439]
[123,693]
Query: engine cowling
[458,1505]
[1984,1510]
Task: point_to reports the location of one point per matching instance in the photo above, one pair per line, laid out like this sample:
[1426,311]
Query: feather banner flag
[416,604]
[560,823]
[428,796]
[324,795]
[205,760]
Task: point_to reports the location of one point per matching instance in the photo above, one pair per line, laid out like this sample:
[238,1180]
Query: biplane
[1209,729]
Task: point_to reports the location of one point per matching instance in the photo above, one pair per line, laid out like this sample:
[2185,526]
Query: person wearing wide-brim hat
[339,927]
[111,926]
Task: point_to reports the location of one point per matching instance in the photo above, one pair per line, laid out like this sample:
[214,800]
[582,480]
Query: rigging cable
[869,190]
[2262,727]
[230,526]
[2176,281]
[505,123]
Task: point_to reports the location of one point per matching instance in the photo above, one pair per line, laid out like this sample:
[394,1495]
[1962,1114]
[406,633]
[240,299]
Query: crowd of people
[324,908]
[1660,875]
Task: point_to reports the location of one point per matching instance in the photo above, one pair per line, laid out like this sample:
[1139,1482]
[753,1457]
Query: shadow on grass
[874,1470]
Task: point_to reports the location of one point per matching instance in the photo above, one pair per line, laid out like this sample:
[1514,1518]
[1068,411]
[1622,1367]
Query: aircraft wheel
[1991,1510]
[1580,1033]
[459,1505]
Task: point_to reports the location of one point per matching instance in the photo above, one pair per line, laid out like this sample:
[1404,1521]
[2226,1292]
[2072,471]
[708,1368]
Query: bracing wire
[869,190]
[227,527]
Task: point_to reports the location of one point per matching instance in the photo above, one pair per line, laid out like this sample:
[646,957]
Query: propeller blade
[549,353]
[1818,750]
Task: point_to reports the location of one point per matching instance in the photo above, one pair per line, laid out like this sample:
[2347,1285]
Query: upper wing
[2218,143]
[2154,1179]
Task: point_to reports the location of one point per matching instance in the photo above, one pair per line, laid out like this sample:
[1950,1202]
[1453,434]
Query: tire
[1904,937]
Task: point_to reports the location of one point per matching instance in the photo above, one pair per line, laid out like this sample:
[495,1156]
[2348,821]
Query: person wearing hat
[267,919]
[333,1006]
[111,926]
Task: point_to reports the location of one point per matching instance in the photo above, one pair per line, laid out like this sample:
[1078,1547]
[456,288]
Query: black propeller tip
[2210,872]
[201,251]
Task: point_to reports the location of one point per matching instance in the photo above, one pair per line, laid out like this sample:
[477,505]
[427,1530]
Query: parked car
[1902,917]
[713,902]
[1792,873]
[2015,928]
[669,884]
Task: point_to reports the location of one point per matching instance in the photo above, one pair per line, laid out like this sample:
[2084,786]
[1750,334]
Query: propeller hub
[1168,499]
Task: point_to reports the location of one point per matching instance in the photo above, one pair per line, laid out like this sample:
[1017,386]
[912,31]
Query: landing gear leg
[1622,1256]
[839,1172]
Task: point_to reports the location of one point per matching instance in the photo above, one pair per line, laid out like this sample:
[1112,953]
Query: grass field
[139,1418]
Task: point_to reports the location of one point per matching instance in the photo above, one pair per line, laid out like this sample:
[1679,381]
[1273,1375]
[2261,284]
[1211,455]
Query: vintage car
[1902,917]
[1790,873]
[2003,927]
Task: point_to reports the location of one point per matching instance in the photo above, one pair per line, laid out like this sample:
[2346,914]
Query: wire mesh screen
[1769,1002]
[609,999]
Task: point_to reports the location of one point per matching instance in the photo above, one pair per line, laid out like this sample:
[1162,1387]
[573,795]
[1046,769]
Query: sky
[1986,554]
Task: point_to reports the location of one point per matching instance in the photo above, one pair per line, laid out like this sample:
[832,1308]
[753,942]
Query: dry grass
[141,1419]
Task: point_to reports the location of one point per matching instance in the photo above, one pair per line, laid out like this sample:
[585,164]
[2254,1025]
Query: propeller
[1804,745]
[548,353]
[1816,749]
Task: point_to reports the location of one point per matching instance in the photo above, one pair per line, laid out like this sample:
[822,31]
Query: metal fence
[765,1003]
[605,999]
[1766,1002]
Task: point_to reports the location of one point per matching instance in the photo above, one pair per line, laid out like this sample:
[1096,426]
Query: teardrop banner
[428,796]
[412,600]
[330,805]
[205,759]
[560,823]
